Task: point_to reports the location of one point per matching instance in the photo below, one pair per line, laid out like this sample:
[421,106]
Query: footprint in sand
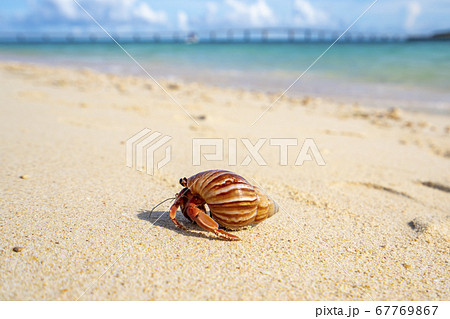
[383,188]
[436,228]
[438,186]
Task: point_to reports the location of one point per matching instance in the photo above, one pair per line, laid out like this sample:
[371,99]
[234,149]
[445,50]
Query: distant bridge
[241,35]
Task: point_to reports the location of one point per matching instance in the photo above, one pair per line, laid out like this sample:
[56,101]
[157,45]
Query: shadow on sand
[162,219]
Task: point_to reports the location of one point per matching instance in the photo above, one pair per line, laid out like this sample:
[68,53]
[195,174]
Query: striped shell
[234,203]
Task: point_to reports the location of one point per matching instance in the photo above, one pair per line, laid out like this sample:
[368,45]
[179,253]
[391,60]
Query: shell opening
[276,208]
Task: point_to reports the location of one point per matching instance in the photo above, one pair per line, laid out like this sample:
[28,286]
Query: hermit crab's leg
[206,222]
[180,200]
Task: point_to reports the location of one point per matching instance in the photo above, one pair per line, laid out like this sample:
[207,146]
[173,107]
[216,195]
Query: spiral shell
[234,203]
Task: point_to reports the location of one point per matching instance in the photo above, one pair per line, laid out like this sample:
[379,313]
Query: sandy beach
[372,224]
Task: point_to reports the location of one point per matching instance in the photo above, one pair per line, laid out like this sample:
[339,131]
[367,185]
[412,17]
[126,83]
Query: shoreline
[415,105]
[345,88]
[372,224]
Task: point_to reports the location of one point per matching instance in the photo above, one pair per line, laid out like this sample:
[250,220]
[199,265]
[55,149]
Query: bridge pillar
[212,36]
[230,35]
[291,35]
[264,35]
[247,35]
[307,35]
[321,36]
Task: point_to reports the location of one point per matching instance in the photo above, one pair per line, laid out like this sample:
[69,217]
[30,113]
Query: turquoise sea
[414,75]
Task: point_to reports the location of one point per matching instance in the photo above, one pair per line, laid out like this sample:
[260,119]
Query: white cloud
[67,8]
[211,12]
[212,8]
[307,15]
[256,14]
[144,11]
[413,11]
[113,13]
[183,20]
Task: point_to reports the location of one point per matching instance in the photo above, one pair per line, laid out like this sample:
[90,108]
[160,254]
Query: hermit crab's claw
[204,221]
[173,209]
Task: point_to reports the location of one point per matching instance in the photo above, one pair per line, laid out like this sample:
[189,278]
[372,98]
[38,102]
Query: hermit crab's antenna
[151,212]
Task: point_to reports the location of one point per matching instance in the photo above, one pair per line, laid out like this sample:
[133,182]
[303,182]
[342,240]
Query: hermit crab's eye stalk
[183,181]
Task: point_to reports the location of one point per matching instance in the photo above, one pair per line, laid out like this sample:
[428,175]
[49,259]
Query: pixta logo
[142,148]
[308,151]
[147,151]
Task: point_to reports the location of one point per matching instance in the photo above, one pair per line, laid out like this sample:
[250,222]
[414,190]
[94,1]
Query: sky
[386,16]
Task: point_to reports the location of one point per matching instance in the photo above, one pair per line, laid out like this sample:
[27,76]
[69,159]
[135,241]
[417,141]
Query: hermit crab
[233,202]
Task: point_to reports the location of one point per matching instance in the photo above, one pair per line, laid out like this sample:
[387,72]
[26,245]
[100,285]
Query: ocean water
[413,75]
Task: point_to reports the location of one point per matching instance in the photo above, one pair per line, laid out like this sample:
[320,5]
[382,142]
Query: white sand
[362,227]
